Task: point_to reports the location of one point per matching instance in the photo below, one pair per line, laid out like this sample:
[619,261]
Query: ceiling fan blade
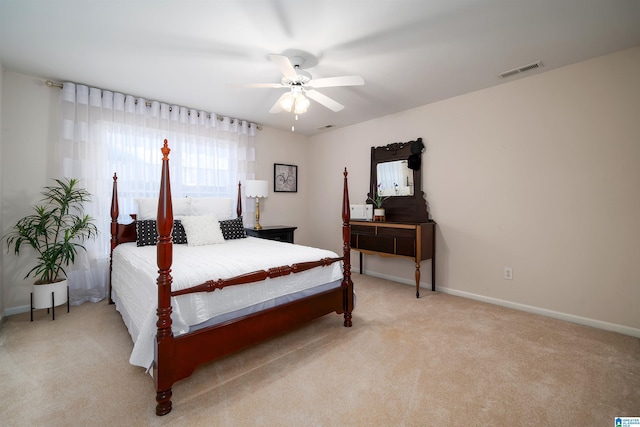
[285,66]
[337,81]
[276,107]
[324,100]
[254,85]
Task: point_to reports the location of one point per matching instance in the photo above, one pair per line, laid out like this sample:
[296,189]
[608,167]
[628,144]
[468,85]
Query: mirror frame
[406,209]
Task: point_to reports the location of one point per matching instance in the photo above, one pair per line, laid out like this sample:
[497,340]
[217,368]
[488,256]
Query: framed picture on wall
[285,178]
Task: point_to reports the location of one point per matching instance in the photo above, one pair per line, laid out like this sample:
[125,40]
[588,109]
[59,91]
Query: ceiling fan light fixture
[287,102]
[302,86]
[301,104]
[295,101]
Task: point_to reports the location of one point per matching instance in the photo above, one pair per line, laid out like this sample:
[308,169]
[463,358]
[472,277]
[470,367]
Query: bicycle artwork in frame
[285,178]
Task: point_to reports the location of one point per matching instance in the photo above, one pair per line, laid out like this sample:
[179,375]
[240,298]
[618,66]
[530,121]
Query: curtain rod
[59,85]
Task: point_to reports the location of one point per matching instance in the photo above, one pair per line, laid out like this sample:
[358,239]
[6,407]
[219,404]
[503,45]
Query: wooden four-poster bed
[176,355]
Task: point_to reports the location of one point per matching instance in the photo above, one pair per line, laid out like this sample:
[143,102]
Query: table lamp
[257,189]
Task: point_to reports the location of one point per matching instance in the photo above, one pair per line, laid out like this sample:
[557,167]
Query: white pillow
[218,206]
[148,207]
[202,230]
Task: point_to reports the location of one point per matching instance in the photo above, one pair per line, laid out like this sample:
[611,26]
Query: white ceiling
[410,53]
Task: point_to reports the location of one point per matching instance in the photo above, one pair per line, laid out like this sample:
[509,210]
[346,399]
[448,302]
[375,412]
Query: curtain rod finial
[53,84]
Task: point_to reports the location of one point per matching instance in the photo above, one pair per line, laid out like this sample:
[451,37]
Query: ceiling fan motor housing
[303,77]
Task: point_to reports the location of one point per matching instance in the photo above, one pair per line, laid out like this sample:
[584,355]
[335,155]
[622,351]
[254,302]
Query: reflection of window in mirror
[395,178]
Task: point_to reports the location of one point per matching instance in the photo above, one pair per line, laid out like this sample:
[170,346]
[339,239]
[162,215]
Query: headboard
[123,233]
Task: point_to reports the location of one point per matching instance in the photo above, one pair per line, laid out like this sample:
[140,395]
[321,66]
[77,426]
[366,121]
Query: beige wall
[1,199]
[29,136]
[540,174]
[275,146]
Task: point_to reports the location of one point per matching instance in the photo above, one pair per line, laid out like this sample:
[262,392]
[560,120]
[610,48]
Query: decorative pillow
[179,236]
[202,230]
[147,233]
[218,206]
[148,207]
[233,229]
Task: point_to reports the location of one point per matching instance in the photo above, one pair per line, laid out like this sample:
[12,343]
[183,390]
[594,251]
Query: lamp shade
[256,188]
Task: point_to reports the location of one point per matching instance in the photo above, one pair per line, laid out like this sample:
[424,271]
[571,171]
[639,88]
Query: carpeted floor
[434,361]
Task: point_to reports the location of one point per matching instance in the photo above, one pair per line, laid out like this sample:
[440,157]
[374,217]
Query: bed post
[115,211]
[347,284]
[164,351]
[239,203]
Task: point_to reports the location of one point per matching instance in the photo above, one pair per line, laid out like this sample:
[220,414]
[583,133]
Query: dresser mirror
[396,169]
[394,178]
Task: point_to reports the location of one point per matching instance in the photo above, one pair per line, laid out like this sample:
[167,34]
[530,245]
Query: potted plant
[56,230]
[378,211]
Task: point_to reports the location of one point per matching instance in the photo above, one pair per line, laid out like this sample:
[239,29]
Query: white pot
[378,212]
[42,294]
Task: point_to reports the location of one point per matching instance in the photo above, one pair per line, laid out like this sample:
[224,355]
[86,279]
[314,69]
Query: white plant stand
[49,296]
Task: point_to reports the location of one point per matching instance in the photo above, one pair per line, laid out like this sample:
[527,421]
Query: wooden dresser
[415,241]
[407,231]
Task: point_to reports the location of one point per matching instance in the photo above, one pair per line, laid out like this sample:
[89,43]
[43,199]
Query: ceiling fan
[301,85]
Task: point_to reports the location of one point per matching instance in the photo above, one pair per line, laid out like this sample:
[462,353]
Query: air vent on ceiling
[519,70]
[326,127]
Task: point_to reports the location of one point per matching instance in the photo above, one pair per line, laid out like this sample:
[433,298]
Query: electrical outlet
[508,273]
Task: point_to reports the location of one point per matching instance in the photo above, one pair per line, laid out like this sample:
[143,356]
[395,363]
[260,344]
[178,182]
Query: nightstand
[281,233]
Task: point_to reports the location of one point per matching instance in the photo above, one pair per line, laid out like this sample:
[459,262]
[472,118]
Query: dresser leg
[433,273]
[418,279]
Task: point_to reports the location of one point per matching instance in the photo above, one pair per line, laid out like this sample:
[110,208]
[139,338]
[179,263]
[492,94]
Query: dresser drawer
[279,233]
[363,229]
[406,247]
[376,243]
[280,236]
[397,232]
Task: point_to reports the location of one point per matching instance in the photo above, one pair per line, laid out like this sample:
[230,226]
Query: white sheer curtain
[103,133]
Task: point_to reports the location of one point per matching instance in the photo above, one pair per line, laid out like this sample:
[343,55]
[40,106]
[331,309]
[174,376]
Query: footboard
[256,276]
[194,349]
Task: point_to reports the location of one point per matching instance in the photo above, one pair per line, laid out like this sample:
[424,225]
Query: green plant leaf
[56,229]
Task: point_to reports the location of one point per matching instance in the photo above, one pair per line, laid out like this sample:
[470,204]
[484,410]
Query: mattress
[134,290]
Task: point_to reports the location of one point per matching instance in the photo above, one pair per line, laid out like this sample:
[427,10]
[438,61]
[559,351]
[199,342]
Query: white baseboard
[16,310]
[621,329]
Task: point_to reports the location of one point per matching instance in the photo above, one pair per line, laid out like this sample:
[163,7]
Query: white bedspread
[135,271]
